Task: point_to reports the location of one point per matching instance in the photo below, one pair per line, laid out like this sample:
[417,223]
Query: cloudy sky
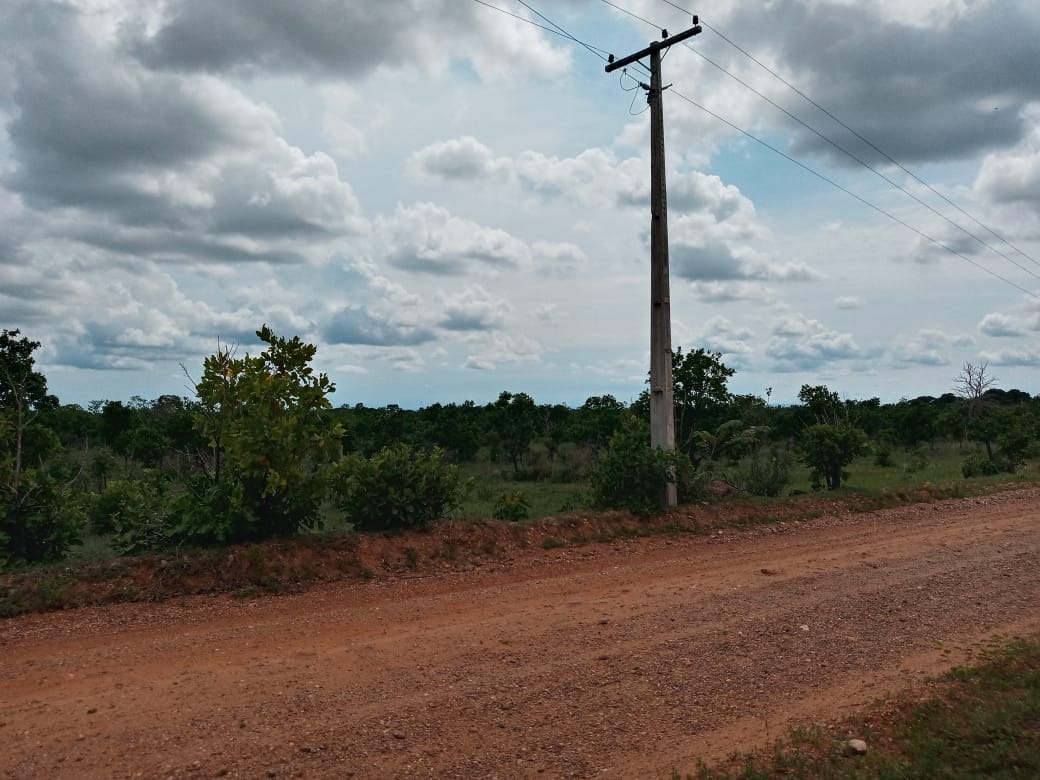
[451,202]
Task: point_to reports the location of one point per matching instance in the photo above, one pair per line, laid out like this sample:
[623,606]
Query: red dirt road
[615,661]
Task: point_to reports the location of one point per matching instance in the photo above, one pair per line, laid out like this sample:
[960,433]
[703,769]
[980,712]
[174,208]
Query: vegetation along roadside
[257,484]
[979,720]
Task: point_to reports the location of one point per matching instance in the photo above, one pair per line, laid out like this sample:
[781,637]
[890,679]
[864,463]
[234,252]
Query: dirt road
[613,661]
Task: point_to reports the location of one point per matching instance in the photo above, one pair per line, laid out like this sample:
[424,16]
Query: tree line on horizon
[261,452]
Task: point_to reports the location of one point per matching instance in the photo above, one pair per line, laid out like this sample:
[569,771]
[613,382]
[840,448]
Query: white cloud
[1021,356]
[473,309]
[502,349]
[427,238]
[800,344]
[1001,325]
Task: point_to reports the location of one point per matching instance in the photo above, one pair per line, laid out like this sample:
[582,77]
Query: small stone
[855,747]
[399,735]
[92,710]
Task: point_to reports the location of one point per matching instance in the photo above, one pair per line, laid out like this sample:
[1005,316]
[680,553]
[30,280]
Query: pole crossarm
[655,46]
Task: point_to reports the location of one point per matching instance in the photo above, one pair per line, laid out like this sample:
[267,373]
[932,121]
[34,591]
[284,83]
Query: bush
[106,507]
[883,455]
[827,449]
[399,488]
[511,506]
[978,465]
[631,475]
[37,522]
[136,512]
[1015,446]
[766,472]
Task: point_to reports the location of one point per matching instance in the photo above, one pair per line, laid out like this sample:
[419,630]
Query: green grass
[941,465]
[981,721]
[544,497]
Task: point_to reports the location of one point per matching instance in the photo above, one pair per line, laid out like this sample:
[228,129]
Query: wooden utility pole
[662,409]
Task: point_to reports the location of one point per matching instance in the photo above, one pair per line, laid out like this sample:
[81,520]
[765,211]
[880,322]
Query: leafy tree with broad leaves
[271,443]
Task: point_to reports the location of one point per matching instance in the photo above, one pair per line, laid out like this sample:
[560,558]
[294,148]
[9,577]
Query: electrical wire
[865,164]
[852,194]
[839,147]
[600,53]
[862,138]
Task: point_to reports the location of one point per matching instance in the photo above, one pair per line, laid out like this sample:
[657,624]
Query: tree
[594,422]
[34,525]
[23,392]
[700,393]
[829,444]
[515,421]
[271,442]
[971,386]
[827,449]
[822,404]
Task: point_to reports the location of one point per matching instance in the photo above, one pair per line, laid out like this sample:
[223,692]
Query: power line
[866,165]
[862,138]
[600,53]
[555,29]
[849,192]
[518,17]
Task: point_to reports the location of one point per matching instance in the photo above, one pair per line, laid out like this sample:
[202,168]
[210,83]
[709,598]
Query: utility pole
[662,410]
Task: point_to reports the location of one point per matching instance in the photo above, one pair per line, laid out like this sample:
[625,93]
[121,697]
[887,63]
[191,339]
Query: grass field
[979,721]
[938,465]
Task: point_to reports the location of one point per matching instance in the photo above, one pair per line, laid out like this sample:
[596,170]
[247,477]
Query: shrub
[137,512]
[38,522]
[1015,445]
[827,449]
[398,488]
[511,506]
[883,455]
[631,474]
[766,472]
[918,461]
[978,465]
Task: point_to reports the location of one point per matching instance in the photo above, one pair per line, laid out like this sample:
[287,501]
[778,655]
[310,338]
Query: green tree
[35,524]
[515,422]
[822,405]
[594,422]
[828,448]
[700,393]
[271,442]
